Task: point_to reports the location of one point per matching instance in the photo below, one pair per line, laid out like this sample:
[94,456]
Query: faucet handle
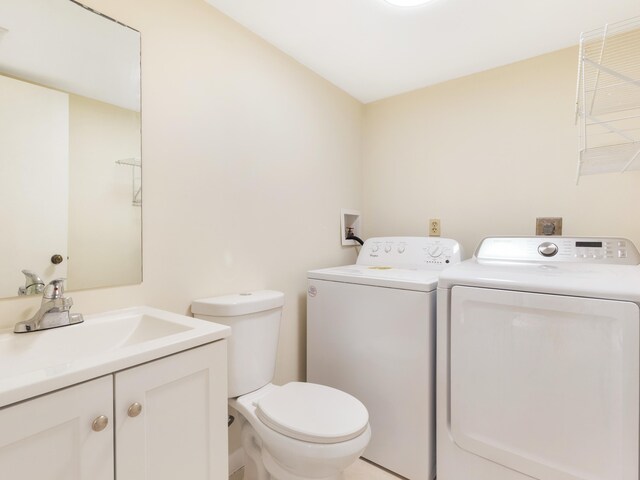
[54,290]
[33,283]
[32,277]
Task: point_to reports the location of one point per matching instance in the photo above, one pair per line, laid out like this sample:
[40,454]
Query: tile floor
[361,470]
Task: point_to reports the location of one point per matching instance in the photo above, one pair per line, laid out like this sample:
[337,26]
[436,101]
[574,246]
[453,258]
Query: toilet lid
[313,413]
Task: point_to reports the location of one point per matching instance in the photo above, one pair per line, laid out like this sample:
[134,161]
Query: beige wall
[101,195]
[487,154]
[34,128]
[248,158]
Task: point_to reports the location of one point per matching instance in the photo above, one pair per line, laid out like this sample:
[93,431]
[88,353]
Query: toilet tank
[254,318]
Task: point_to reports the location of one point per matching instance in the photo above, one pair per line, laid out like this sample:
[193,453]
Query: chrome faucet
[53,312]
[33,284]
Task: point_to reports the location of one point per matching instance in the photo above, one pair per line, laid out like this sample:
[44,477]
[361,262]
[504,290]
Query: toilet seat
[312,413]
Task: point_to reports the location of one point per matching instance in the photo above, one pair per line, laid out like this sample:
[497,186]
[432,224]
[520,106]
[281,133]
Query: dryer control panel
[619,251]
[409,252]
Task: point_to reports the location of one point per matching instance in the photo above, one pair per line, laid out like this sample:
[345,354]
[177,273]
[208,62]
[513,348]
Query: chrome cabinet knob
[134,409]
[547,249]
[100,423]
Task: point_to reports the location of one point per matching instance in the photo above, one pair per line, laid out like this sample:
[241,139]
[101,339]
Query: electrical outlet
[549,226]
[434,227]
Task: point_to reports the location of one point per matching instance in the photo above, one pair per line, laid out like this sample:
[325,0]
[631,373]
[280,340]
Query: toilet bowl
[298,431]
[296,454]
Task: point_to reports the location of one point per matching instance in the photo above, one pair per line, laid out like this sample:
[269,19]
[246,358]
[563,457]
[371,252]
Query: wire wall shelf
[136,178]
[608,98]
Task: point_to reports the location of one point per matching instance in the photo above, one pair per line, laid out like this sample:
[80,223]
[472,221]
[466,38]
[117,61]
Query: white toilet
[298,431]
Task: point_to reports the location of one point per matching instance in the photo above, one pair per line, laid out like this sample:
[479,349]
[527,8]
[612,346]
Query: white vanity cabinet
[167,419]
[51,437]
[181,430]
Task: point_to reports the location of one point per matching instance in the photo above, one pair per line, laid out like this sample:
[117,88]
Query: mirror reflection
[70,165]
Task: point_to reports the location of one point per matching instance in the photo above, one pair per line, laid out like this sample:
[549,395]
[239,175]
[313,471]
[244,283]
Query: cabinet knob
[100,423]
[134,409]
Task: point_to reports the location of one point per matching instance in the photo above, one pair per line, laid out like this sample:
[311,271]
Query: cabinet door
[51,437]
[181,430]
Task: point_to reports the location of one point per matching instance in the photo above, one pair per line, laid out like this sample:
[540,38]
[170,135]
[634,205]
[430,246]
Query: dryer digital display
[589,244]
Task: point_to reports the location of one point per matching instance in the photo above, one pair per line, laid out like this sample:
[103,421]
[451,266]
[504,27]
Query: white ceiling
[374,50]
[59,44]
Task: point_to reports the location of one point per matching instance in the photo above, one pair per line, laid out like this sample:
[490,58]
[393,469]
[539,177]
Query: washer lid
[313,413]
[418,280]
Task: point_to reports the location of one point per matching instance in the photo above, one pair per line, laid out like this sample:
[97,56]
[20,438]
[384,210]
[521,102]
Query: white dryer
[538,361]
[371,333]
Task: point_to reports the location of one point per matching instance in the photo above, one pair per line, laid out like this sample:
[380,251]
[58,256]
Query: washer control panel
[618,251]
[409,252]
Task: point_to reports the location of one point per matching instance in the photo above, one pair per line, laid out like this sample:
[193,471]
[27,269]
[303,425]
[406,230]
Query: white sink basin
[38,362]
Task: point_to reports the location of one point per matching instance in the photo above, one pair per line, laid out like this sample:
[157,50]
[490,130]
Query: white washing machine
[371,333]
[538,352]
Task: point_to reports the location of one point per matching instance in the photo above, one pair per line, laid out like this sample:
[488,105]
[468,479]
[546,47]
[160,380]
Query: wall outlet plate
[434,227]
[549,226]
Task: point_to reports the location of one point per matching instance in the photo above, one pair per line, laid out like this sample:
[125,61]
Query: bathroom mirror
[70,162]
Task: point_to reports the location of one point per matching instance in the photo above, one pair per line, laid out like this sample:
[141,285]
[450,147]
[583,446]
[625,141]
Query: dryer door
[545,384]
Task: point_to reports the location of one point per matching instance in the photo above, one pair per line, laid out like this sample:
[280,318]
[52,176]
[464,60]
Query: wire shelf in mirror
[135,178]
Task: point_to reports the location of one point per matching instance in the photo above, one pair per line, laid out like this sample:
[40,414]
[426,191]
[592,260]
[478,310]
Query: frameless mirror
[70,163]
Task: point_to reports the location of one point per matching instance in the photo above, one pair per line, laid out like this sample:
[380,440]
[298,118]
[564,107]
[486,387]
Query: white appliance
[537,372]
[371,333]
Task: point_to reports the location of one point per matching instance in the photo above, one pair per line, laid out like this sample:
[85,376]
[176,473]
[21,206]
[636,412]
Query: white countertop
[35,363]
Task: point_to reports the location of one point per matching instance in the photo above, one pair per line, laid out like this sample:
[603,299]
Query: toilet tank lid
[238,303]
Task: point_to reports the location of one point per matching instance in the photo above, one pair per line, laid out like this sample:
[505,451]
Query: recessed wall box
[349,223]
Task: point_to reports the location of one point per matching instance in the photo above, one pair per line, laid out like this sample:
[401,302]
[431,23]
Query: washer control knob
[547,249]
[375,248]
[387,248]
[435,251]
[401,249]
